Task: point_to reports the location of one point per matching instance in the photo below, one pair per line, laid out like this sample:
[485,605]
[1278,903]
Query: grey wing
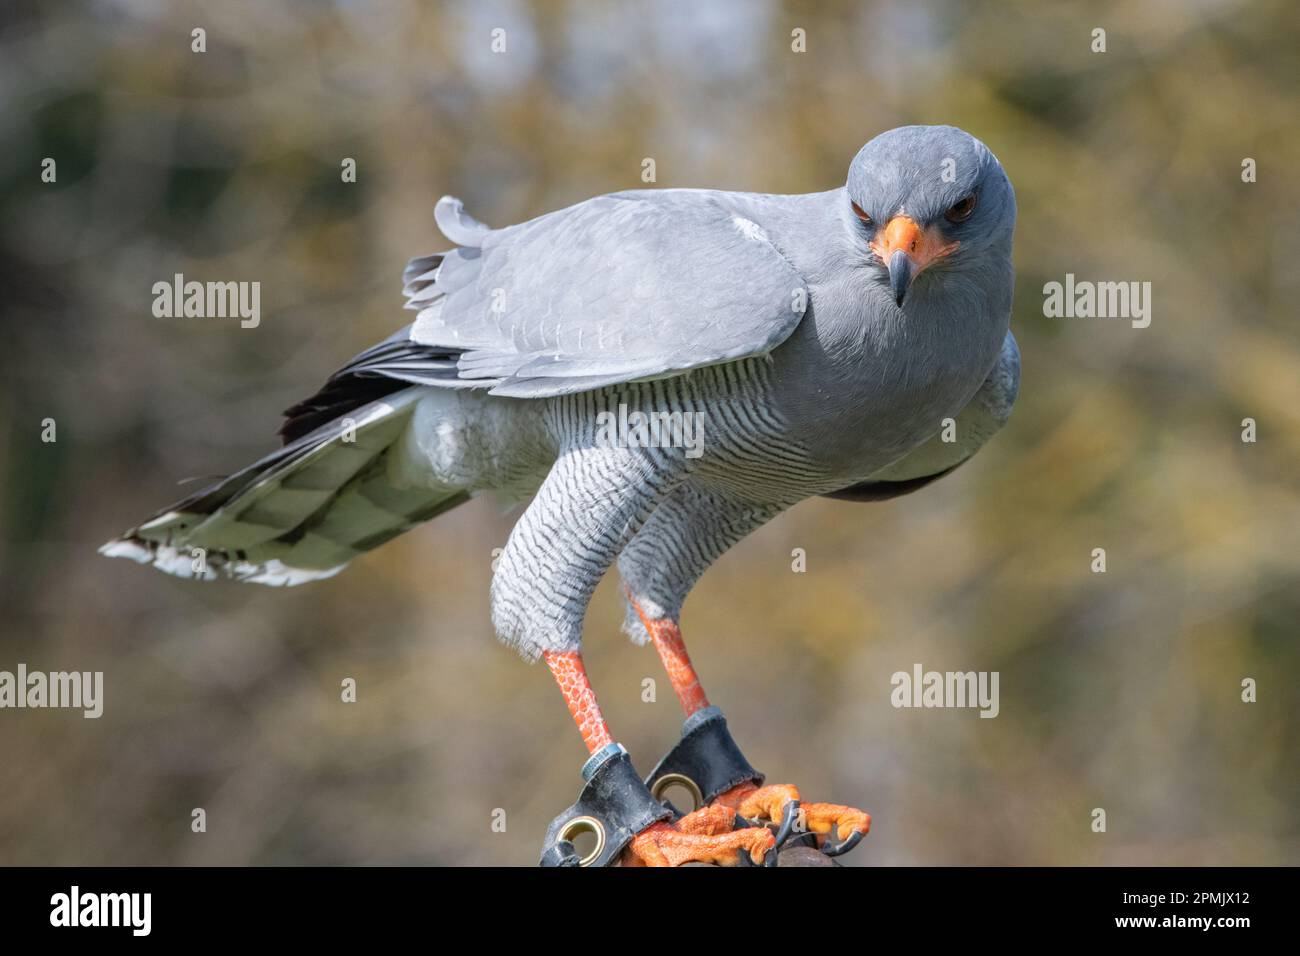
[619,288]
[982,417]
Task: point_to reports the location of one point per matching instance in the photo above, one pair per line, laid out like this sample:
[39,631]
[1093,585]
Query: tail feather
[300,514]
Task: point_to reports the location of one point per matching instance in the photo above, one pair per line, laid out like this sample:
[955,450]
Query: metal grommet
[585,825]
[678,780]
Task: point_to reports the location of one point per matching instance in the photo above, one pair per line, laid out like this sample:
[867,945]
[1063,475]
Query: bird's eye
[962,210]
[860,214]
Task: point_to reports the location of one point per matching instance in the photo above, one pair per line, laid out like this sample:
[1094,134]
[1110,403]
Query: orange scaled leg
[705,836]
[576,688]
[667,637]
[747,799]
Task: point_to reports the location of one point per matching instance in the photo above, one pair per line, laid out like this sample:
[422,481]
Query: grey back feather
[619,288]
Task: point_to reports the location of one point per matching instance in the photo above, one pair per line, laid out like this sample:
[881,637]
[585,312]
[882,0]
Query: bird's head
[925,199]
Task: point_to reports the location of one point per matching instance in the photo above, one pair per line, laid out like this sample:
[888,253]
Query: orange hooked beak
[906,249]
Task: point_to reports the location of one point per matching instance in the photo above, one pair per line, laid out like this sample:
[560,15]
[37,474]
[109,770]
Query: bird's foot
[837,828]
[705,836]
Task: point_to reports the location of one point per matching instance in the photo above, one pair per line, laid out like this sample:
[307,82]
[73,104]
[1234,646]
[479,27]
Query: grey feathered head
[928,197]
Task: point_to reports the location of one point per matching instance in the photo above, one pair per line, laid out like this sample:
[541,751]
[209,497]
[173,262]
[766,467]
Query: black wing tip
[338,397]
[884,490]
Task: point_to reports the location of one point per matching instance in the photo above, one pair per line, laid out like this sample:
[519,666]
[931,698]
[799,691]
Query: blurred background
[1119,690]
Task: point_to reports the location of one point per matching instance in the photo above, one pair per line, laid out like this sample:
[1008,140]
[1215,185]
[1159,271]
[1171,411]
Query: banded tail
[301,513]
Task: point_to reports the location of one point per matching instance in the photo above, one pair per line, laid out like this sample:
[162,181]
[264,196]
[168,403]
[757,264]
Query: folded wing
[616,289]
[619,288]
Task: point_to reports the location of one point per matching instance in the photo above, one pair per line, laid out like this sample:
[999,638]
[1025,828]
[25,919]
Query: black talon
[742,855]
[788,820]
[839,849]
[783,833]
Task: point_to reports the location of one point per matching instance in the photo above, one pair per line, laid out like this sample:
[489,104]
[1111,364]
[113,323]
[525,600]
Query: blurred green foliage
[1119,690]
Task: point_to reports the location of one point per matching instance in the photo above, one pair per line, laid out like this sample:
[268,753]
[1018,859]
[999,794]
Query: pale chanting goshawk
[816,343]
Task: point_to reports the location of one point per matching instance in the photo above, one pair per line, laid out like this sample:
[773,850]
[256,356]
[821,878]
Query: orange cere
[922,246]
